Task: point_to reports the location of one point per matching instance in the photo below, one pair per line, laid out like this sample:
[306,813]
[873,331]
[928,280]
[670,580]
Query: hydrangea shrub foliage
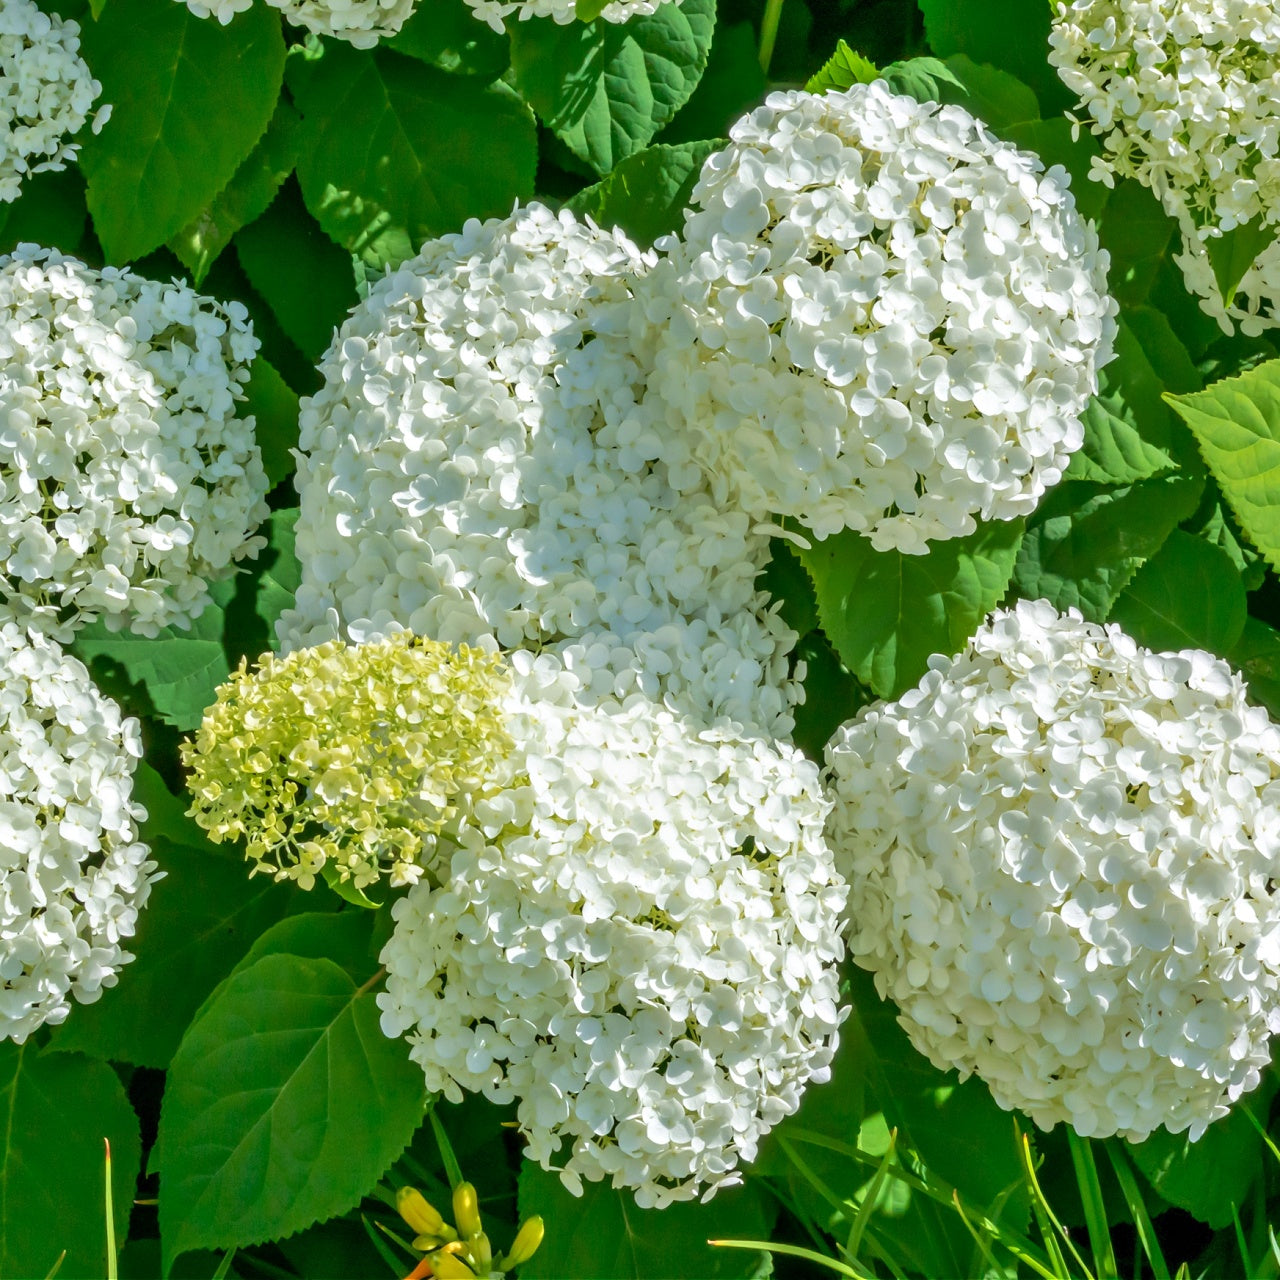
[627,625]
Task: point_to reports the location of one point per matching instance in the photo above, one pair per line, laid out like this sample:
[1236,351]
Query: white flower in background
[1182,95]
[879,317]
[73,876]
[46,93]
[1256,304]
[637,943]
[126,480]
[361,23]
[478,468]
[562,11]
[1062,851]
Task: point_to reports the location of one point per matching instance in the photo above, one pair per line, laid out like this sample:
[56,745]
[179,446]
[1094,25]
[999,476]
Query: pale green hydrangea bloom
[345,759]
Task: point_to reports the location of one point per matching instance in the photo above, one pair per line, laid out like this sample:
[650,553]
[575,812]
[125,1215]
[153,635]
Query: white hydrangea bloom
[637,942]
[46,93]
[1182,95]
[479,468]
[1062,851]
[73,876]
[1256,304]
[561,11]
[879,317]
[126,481]
[361,23]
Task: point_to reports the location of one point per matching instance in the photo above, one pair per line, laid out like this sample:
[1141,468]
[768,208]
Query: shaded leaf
[168,74]
[445,34]
[1256,656]
[1233,253]
[924,79]
[274,407]
[280,579]
[886,613]
[50,212]
[732,85]
[993,96]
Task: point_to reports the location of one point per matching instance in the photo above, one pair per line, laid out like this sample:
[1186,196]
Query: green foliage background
[237,1068]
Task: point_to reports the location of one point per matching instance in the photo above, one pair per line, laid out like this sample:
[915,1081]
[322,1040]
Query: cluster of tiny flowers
[73,876]
[347,757]
[126,480]
[879,317]
[1182,95]
[479,467]
[361,23]
[1062,853]
[637,943]
[1256,304]
[562,11]
[46,93]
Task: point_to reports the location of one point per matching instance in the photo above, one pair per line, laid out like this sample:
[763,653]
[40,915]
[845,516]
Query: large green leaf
[1234,252]
[395,153]
[445,34]
[282,575]
[200,919]
[1256,656]
[606,88]
[50,212]
[1187,596]
[1237,423]
[283,1106]
[603,1236]
[180,669]
[190,98]
[647,193]
[886,612]
[1087,541]
[55,1111]
[993,96]
[732,84]
[1139,236]
[274,407]
[246,197]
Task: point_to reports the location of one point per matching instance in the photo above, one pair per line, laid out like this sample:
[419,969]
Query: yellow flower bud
[526,1243]
[466,1211]
[481,1253]
[412,1206]
[448,1266]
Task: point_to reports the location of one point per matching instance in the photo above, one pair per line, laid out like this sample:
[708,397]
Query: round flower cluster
[1062,852]
[637,943]
[72,875]
[1182,95]
[46,93]
[126,480]
[478,468]
[879,317]
[361,23]
[561,11]
[346,758]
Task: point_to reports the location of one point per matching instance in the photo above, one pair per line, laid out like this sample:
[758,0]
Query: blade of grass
[57,1266]
[1095,1205]
[802,1167]
[113,1263]
[1045,1215]
[380,1245]
[1138,1210]
[451,1167]
[794,1251]
[984,1249]
[1241,1243]
[224,1265]
[1262,1133]
[869,1198]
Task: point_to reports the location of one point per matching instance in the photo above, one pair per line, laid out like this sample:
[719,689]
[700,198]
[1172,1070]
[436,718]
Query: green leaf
[787,583]
[603,1234]
[924,79]
[245,198]
[1237,423]
[284,1105]
[50,212]
[1087,541]
[180,669]
[345,937]
[1137,233]
[1114,451]
[1210,1177]
[55,1110]
[274,407]
[395,153]
[200,919]
[190,98]
[1187,596]
[842,70]
[308,282]
[604,88]
[886,613]
[1234,252]
[445,34]
[995,97]
[832,695]
[1257,657]
[732,84]
[280,579]
[647,193]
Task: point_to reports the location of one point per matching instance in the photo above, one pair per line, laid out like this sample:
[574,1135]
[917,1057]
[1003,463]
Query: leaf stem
[769,32]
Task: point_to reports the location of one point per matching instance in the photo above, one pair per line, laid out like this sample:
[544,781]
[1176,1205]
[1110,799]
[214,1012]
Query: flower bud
[526,1243]
[413,1207]
[466,1211]
[448,1266]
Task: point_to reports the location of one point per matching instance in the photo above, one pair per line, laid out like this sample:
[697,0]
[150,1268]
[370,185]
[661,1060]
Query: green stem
[769,32]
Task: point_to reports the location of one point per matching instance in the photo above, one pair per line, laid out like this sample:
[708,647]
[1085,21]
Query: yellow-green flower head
[347,756]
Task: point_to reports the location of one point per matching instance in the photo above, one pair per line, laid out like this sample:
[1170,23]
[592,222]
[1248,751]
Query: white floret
[637,943]
[126,480]
[562,11]
[879,317]
[1063,853]
[361,23]
[479,467]
[73,876]
[46,93]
